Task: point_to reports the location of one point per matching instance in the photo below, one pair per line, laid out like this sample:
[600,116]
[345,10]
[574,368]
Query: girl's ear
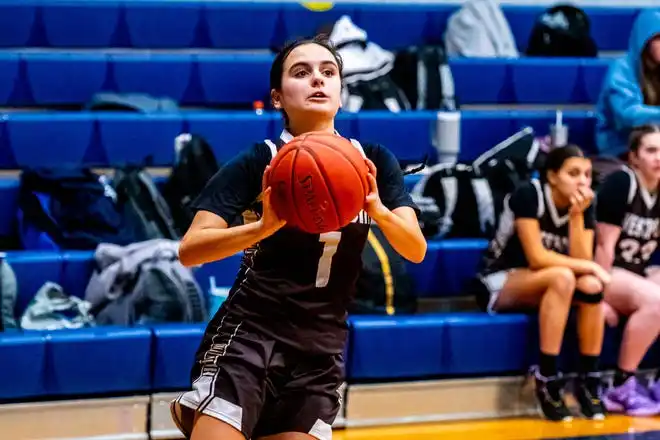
[276,99]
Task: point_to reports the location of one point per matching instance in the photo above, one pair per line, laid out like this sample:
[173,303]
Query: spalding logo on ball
[319,182]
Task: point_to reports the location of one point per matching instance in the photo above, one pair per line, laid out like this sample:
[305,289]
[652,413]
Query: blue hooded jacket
[621,102]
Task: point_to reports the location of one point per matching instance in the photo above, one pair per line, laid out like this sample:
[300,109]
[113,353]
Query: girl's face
[646,159]
[311,84]
[653,49]
[575,173]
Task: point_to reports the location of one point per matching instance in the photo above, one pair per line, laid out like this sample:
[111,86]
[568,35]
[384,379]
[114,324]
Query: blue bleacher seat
[543,81]
[33,269]
[8,205]
[521,20]
[17,20]
[225,22]
[593,76]
[77,267]
[397,347]
[424,274]
[174,353]
[397,26]
[139,139]
[229,133]
[481,130]
[64,78]
[9,76]
[73,23]
[46,139]
[51,78]
[155,25]
[299,22]
[159,75]
[452,263]
[482,344]
[219,273]
[581,125]
[464,344]
[52,139]
[161,24]
[407,135]
[22,356]
[236,78]
[610,27]
[473,86]
[116,360]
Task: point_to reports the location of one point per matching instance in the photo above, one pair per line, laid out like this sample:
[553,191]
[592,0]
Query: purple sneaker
[630,399]
[654,390]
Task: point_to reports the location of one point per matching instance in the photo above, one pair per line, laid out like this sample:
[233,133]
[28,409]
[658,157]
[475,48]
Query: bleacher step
[116,418]
[438,400]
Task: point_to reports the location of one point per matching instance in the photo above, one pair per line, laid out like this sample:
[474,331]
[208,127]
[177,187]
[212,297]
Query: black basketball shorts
[261,387]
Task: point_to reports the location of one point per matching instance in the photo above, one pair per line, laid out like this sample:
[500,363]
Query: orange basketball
[319,182]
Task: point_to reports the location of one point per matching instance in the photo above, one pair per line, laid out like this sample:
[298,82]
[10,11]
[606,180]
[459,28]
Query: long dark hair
[277,67]
[648,72]
[637,135]
[556,158]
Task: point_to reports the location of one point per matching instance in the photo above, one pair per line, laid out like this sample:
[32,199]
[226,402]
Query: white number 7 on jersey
[330,242]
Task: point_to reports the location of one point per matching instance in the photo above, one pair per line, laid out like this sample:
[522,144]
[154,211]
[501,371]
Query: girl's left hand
[373,206]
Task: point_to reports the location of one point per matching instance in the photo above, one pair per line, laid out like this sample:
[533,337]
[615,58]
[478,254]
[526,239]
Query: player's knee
[562,280]
[653,307]
[588,290]
[589,284]
[651,303]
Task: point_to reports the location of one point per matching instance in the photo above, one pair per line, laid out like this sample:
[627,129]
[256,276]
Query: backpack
[143,283]
[8,295]
[144,207]
[424,76]
[366,71]
[562,31]
[131,102]
[480,29]
[465,200]
[52,309]
[195,166]
[384,285]
[69,208]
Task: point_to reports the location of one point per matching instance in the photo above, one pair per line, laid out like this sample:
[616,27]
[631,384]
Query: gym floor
[614,428]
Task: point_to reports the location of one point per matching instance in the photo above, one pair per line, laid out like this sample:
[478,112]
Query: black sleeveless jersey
[530,200]
[293,286]
[624,202]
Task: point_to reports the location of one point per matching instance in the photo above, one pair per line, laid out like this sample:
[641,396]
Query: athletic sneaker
[587,394]
[631,398]
[550,395]
[654,390]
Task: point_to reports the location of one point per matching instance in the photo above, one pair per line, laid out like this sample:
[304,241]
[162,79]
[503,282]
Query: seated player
[541,259]
[270,364]
[628,214]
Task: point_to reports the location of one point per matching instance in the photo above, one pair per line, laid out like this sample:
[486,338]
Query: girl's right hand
[597,270]
[581,200]
[269,220]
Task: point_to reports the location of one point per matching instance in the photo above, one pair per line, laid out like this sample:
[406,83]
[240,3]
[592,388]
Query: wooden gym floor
[614,428]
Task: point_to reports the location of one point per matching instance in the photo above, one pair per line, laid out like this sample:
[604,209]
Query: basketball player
[541,259]
[270,365]
[628,214]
